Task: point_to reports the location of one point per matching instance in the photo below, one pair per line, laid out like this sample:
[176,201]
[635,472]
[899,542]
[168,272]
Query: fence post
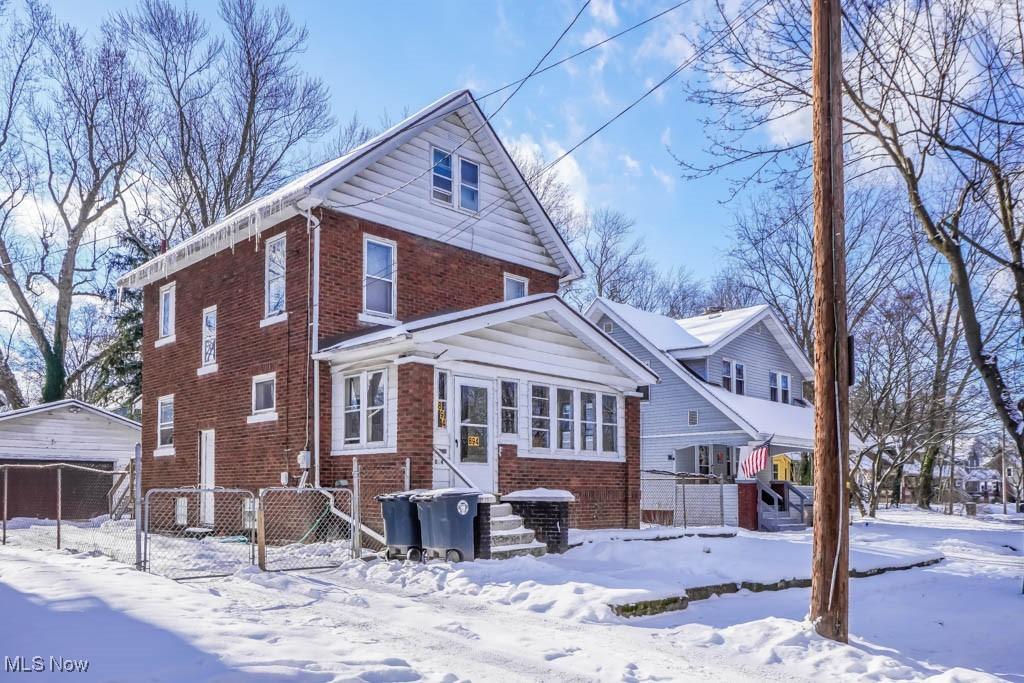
[721,502]
[59,496]
[137,503]
[5,507]
[684,501]
[261,537]
[357,526]
[408,473]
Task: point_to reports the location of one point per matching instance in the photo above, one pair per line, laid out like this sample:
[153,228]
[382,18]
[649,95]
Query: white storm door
[473,432]
[206,469]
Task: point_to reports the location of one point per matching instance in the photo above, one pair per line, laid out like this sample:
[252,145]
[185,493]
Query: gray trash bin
[401,525]
[447,518]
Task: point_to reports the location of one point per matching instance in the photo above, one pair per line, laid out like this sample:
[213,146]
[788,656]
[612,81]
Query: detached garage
[71,432]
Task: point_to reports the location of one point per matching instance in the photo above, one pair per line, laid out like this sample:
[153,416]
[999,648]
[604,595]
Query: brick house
[398,302]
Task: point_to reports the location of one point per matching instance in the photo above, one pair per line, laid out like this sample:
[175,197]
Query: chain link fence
[687,500]
[191,532]
[76,507]
[372,477]
[305,528]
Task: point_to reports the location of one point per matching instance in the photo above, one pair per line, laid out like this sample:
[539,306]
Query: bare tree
[934,108]
[81,135]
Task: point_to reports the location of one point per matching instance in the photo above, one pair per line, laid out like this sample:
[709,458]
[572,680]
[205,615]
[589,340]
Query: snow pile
[540,494]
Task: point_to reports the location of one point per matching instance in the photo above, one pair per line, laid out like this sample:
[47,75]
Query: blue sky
[387,56]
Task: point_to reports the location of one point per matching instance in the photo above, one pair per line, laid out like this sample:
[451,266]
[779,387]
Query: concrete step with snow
[535,548]
[519,536]
[501,510]
[505,523]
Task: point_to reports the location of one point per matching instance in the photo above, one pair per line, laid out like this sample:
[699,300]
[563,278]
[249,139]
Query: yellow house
[782,468]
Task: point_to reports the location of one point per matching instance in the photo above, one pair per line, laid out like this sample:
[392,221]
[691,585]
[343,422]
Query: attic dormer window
[469,185]
[441,176]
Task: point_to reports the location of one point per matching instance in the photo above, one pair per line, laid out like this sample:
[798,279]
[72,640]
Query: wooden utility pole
[830,563]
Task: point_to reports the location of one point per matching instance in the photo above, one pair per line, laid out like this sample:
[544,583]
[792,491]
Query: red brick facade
[431,277]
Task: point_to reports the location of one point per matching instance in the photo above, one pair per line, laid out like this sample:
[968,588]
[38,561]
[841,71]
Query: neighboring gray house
[729,381]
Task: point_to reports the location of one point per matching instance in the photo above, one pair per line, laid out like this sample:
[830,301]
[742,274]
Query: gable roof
[310,189]
[703,335]
[69,403]
[436,327]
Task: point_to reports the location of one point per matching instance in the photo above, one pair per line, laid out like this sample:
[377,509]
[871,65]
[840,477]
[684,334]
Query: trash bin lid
[399,495]
[445,493]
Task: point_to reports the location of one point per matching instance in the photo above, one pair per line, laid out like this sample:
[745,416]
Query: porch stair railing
[798,500]
[452,467]
[773,514]
[121,496]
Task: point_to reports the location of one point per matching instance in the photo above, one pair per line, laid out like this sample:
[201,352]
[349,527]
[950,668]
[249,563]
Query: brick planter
[546,513]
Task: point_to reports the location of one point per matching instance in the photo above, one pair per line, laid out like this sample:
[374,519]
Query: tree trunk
[55,383]
[925,487]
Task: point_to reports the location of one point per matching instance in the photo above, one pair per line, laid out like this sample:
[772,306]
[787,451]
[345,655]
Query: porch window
[704,460]
[274,275]
[540,414]
[469,185]
[165,422]
[442,399]
[509,407]
[609,423]
[365,408]
[379,276]
[565,419]
[441,176]
[210,337]
[167,312]
[515,287]
[588,421]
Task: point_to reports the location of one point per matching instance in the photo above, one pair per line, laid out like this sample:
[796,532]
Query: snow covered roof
[711,328]
[72,404]
[310,189]
[661,331]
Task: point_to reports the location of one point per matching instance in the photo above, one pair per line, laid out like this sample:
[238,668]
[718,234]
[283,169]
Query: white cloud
[604,11]
[567,171]
[659,94]
[667,181]
[632,165]
[666,137]
[667,42]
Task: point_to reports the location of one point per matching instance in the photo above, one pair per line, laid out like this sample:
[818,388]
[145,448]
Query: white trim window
[734,376]
[209,343]
[564,410]
[778,386]
[588,421]
[167,305]
[274,277]
[609,423]
[540,416]
[516,287]
[509,407]
[165,425]
[264,398]
[379,276]
[441,176]
[469,185]
[365,408]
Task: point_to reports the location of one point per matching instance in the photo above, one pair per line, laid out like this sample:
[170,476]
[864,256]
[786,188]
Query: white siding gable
[501,229]
[61,434]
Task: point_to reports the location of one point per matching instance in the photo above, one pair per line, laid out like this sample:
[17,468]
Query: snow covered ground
[538,619]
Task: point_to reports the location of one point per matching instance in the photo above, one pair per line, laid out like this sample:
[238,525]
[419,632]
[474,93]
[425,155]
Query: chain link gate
[305,528]
[686,499]
[191,533]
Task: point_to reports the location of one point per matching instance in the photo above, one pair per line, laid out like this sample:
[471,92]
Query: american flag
[757,460]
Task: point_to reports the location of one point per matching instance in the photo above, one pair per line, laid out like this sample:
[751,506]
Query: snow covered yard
[537,619]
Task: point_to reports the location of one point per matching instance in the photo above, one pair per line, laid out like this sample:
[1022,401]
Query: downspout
[315,344]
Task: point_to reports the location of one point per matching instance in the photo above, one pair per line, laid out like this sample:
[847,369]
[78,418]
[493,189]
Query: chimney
[712,310]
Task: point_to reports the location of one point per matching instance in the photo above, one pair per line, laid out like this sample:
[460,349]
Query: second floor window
[441,180]
[469,185]
[165,422]
[274,276]
[167,311]
[379,277]
[778,386]
[209,336]
[734,377]
[515,287]
[264,393]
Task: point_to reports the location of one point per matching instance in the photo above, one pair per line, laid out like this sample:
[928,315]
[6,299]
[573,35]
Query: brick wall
[432,277]
[607,493]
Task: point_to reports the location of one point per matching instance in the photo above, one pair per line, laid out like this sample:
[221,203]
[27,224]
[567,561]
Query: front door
[473,432]
[206,463]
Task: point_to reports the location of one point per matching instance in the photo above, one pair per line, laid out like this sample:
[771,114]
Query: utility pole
[830,558]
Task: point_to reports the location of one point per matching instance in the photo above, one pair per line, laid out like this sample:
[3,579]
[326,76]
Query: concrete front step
[519,536]
[536,548]
[505,523]
[501,510]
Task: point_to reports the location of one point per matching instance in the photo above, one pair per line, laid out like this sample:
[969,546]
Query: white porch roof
[539,334]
